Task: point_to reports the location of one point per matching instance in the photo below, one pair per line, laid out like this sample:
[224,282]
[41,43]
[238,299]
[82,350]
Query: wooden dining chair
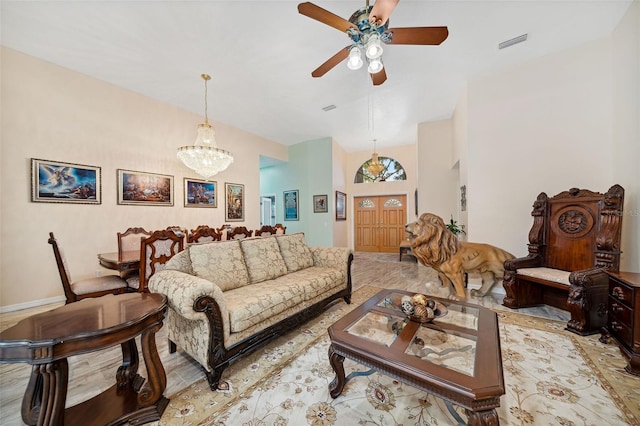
[225,230]
[203,234]
[180,231]
[238,233]
[155,252]
[280,229]
[82,289]
[265,231]
[129,240]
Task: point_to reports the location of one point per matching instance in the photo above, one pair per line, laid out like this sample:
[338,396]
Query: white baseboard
[32,304]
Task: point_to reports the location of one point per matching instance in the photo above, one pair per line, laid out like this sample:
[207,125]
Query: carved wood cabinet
[623,321]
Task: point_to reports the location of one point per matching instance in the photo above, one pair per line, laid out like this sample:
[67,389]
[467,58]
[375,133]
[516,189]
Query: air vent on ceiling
[329,108]
[513,41]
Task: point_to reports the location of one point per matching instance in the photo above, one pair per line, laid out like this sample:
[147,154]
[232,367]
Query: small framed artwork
[144,189]
[200,193]
[291,205]
[58,182]
[341,206]
[320,204]
[463,198]
[234,202]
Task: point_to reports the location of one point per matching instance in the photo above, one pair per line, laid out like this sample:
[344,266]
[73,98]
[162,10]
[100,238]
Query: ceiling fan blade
[379,77]
[319,14]
[418,35]
[331,62]
[381,11]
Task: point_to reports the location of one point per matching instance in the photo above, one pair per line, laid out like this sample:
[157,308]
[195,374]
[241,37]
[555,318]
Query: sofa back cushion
[220,262]
[263,259]
[295,252]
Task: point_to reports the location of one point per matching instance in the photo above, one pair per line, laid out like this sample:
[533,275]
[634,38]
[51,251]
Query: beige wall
[626,129]
[51,113]
[564,120]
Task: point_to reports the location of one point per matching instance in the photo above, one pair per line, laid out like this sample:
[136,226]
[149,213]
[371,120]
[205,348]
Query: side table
[623,320]
[46,341]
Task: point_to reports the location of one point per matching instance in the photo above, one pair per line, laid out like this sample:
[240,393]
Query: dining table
[121,262]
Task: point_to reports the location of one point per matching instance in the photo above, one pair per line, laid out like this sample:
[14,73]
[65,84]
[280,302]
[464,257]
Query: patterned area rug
[551,377]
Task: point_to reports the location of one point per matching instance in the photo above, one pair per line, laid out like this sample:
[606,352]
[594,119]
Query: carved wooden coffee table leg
[483,418]
[336,361]
[153,389]
[44,400]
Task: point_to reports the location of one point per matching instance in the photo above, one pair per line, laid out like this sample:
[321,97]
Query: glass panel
[378,328]
[367,204]
[393,202]
[392,171]
[449,349]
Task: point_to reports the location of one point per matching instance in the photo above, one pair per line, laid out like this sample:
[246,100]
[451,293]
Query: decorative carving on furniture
[576,231]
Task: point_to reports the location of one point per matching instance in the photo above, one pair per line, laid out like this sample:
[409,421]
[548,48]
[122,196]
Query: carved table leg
[127,372]
[157,379]
[44,400]
[483,418]
[336,361]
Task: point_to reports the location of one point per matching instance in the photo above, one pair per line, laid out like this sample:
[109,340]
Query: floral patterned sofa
[227,298]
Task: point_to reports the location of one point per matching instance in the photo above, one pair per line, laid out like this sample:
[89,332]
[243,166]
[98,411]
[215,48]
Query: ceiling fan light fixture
[375,65]
[373,46]
[355,58]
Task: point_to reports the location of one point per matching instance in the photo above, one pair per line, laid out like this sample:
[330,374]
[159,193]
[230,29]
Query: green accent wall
[309,170]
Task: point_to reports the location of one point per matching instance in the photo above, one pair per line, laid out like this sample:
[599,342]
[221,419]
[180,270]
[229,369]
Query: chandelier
[375,167]
[204,157]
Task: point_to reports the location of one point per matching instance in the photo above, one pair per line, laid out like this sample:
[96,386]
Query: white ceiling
[260,55]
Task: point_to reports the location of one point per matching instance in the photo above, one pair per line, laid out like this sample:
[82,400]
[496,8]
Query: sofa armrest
[182,290]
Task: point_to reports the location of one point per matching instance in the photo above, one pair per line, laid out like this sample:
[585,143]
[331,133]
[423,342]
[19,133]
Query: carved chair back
[130,239]
[203,234]
[238,233]
[265,231]
[155,252]
[279,229]
[578,229]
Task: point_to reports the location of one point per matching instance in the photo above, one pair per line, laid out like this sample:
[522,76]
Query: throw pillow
[263,259]
[220,262]
[295,252]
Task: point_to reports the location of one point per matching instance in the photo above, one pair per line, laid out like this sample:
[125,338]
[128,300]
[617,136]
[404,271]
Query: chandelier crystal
[204,157]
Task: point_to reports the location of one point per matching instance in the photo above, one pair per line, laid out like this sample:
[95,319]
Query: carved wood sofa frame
[220,357]
[576,231]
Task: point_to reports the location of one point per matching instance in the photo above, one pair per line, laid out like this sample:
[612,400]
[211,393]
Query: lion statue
[435,246]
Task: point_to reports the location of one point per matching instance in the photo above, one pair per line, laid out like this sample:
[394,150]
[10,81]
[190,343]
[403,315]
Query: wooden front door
[380,221]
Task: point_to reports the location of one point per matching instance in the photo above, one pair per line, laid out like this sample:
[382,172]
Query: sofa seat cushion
[548,274]
[220,262]
[263,259]
[317,280]
[255,303]
[295,252]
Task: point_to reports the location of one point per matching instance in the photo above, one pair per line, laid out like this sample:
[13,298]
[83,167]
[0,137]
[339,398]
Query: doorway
[379,222]
[267,210]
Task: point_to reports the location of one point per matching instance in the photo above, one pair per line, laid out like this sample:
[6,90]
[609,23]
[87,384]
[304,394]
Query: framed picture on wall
[58,182]
[320,204]
[291,205]
[200,193]
[234,201]
[144,189]
[341,206]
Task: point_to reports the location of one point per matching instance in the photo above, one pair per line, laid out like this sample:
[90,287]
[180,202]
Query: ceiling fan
[368,28]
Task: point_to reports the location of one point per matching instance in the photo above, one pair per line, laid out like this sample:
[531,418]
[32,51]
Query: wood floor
[92,373]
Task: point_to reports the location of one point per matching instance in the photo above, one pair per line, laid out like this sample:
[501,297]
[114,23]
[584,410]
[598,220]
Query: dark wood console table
[46,341]
[623,322]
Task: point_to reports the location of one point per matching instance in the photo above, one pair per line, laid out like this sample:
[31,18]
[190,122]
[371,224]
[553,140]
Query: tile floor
[92,373]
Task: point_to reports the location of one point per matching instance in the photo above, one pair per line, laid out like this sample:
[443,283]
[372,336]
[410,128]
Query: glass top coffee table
[455,357]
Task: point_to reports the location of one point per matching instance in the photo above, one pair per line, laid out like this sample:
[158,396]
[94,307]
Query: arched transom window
[392,170]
